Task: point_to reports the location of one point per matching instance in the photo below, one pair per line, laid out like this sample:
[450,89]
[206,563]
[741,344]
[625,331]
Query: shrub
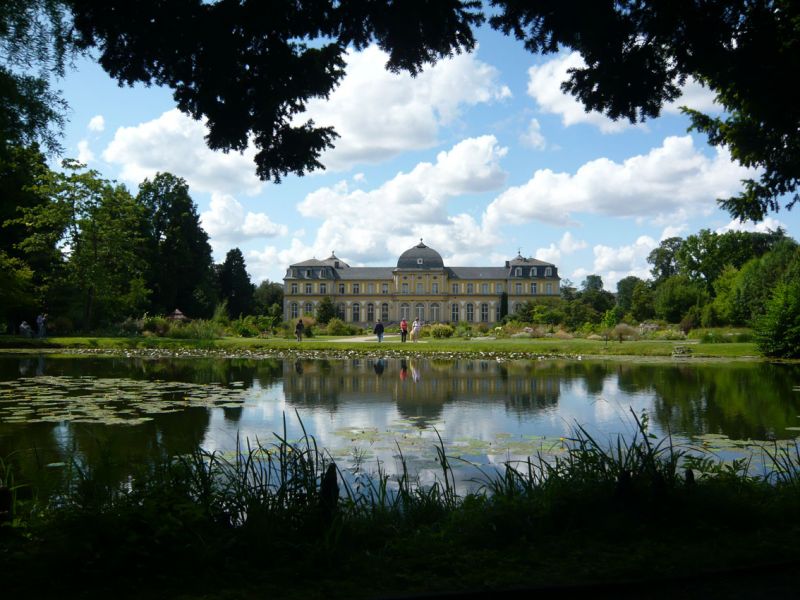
[338,327]
[60,326]
[155,325]
[778,329]
[245,327]
[199,329]
[464,330]
[440,331]
[622,331]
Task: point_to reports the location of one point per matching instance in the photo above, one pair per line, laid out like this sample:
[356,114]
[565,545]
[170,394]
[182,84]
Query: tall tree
[665,259]
[625,287]
[235,285]
[180,272]
[268,294]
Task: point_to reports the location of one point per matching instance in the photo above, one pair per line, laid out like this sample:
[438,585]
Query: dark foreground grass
[624,521]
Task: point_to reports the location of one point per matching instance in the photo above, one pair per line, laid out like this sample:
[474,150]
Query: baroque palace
[419,286]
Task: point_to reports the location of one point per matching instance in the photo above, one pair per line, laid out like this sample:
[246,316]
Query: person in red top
[403,330]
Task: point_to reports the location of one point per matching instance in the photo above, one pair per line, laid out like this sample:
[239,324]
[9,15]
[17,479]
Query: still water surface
[486,412]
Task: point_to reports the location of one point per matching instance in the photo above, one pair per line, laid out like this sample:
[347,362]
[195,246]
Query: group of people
[416,329]
[41,327]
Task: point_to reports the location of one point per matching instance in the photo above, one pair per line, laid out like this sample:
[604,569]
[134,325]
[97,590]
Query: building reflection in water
[420,388]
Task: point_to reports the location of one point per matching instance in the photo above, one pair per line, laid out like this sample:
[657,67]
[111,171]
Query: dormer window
[419,261]
[308,272]
[336,264]
[548,272]
[518,271]
[533,271]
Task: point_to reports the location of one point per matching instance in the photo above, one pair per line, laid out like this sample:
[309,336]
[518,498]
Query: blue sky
[481,155]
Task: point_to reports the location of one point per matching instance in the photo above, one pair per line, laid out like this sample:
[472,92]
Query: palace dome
[420,257]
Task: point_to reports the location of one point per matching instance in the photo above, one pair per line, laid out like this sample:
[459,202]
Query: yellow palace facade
[419,286]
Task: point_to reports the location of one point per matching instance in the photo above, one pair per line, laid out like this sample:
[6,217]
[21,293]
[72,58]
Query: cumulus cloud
[767,225]
[567,245]
[378,224]
[271,262]
[226,221]
[615,263]
[85,154]
[674,231]
[672,179]
[175,143]
[97,124]
[379,114]
[533,137]
[544,86]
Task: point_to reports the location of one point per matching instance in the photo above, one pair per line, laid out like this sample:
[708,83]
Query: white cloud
[544,86]
[271,263]
[567,245]
[85,154]
[379,114]
[379,224]
[673,179]
[533,137]
[175,143]
[97,123]
[768,224]
[674,231]
[615,263]
[226,222]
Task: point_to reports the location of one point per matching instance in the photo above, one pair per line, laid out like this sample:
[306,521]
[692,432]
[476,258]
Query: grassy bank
[622,521]
[475,346]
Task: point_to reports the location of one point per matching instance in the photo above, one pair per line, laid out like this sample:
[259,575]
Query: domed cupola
[420,257]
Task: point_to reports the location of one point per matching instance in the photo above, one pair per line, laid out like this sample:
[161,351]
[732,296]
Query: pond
[54,409]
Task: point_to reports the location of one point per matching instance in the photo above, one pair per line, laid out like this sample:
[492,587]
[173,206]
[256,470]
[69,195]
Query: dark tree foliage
[625,288]
[778,330]
[326,310]
[638,53]
[250,67]
[235,285]
[178,253]
[665,259]
[268,294]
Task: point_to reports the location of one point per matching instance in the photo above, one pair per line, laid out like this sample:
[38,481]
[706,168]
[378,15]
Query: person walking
[403,330]
[378,330]
[416,328]
[41,325]
[298,330]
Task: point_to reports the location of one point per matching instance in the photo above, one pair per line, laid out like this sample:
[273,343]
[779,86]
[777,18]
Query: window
[533,271]
[534,288]
[498,287]
[470,288]
[470,312]
[294,288]
[419,261]
[434,288]
[455,288]
[484,288]
[340,310]
[435,313]
[308,309]
[323,273]
[420,287]
[385,288]
[517,288]
[308,272]
[549,288]
[370,288]
[454,312]
[356,288]
[548,272]
[341,288]
[323,288]
[370,312]
[356,310]
[419,311]
[293,310]
[309,287]
[497,315]
[385,311]
[405,311]
[518,271]
[404,289]
[484,313]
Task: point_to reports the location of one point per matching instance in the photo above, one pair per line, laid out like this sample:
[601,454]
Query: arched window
[548,272]
[356,310]
[385,311]
[293,310]
[518,271]
[340,310]
[470,313]
[405,311]
[308,309]
[419,311]
[435,313]
[484,313]
[454,312]
[533,271]
[370,312]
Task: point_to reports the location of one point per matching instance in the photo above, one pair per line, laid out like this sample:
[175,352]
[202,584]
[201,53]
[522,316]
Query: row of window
[534,272]
[433,312]
[420,289]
